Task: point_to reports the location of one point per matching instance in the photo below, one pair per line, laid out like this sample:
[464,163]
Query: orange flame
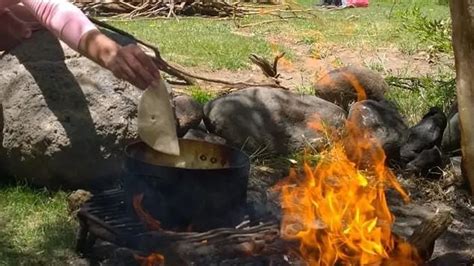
[337,209]
[361,95]
[324,78]
[154,259]
[151,223]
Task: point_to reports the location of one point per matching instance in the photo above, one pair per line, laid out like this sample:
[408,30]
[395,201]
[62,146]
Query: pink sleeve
[62,18]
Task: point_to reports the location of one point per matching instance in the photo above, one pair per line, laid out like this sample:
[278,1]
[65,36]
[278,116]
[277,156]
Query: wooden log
[462,14]
[214,245]
[425,235]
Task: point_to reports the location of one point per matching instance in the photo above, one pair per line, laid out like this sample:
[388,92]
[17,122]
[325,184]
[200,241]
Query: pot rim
[245,161]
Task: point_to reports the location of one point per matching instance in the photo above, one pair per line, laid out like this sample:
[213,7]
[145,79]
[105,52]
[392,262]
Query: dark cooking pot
[200,189]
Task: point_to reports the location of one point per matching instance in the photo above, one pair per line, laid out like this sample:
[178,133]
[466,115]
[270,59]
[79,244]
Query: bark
[462,13]
[425,235]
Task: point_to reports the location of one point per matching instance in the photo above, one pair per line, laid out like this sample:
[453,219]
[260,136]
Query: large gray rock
[269,120]
[339,86]
[66,119]
[384,121]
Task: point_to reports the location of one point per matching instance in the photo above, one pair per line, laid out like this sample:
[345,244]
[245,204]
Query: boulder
[424,135]
[427,163]
[66,120]
[269,120]
[188,113]
[384,122]
[340,86]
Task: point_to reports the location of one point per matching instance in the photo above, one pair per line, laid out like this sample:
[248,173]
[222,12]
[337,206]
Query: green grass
[201,95]
[198,41]
[220,44]
[35,228]
[374,27]
[436,90]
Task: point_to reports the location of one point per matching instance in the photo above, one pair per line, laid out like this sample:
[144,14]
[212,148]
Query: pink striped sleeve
[62,18]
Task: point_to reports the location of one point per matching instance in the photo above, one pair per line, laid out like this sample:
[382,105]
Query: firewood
[425,235]
[224,243]
[269,70]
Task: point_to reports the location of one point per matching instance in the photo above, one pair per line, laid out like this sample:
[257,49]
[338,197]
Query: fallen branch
[425,235]
[154,8]
[259,23]
[217,244]
[269,70]
[263,239]
[180,72]
[281,14]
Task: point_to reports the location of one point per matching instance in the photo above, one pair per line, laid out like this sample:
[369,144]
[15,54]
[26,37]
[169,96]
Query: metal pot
[200,189]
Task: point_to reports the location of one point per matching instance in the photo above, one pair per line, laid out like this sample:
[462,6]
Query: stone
[198,134]
[269,121]
[76,199]
[383,121]
[424,135]
[66,120]
[451,142]
[188,113]
[453,258]
[427,163]
[340,86]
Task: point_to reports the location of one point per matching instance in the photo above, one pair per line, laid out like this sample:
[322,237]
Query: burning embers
[337,209]
[154,259]
[151,223]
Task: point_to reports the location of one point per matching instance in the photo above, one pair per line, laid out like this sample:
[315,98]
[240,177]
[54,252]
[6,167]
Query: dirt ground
[447,194]
[306,66]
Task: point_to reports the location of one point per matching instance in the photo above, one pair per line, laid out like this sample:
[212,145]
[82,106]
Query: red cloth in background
[358,3]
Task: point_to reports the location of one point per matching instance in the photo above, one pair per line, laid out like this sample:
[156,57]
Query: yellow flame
[337,209]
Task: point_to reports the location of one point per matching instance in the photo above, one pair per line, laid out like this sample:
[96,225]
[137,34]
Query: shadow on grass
[7,250]
[56,247]
[35,228]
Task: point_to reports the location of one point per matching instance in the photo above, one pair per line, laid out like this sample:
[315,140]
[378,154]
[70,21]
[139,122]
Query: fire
[361,95]
[155,259]
[337,209]
[145,217]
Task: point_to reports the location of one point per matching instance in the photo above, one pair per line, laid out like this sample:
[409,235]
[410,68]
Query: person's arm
[70,25]
[127,62]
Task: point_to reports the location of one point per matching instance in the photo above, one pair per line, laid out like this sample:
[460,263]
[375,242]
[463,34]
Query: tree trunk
[462,14]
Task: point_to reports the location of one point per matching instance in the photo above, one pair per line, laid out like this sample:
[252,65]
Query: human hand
[14,29]
[133,65]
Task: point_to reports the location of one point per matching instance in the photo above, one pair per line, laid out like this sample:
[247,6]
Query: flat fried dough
[156,122]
